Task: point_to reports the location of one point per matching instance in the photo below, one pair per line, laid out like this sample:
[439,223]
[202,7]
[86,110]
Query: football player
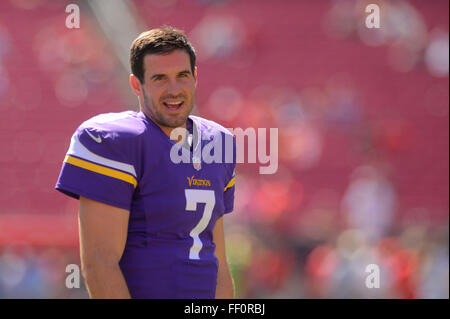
[151,226]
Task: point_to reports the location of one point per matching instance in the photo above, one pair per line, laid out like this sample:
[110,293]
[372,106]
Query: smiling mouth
[173,106]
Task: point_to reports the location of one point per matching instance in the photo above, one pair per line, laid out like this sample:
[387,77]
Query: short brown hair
[162,40]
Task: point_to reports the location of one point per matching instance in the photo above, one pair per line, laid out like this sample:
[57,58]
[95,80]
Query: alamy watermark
[373,279]
[373,19]
[220,148]
[73,279]
[73,19]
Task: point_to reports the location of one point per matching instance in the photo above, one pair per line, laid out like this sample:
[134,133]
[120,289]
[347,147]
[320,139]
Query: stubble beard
[165,121]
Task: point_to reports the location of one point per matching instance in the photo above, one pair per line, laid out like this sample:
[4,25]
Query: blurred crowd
[38,272]
[363,139]
[413,262]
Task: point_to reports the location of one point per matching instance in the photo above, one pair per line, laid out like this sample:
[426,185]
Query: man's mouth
[173,106]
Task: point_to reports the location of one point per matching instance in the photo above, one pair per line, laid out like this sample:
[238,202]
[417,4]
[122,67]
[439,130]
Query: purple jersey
[123,159]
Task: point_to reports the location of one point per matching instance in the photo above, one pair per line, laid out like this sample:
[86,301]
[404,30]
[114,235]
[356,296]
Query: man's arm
[103,232]
[225,287]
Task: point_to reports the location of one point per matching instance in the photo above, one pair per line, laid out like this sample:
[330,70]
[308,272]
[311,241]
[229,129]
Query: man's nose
[173,87]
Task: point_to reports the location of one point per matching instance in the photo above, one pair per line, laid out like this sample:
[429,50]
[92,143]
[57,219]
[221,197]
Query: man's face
[168,89]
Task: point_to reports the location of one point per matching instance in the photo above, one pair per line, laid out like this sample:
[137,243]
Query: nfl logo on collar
[197,163]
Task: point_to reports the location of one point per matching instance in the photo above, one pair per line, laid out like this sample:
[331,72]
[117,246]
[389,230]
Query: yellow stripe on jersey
[230,184]
[101,169]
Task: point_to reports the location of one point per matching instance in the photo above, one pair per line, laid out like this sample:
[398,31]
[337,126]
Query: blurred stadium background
[363,118]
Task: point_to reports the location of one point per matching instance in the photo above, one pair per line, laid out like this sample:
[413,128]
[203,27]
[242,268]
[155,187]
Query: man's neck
[168,130]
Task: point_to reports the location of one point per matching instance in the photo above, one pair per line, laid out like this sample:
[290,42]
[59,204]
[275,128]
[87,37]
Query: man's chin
[174,123]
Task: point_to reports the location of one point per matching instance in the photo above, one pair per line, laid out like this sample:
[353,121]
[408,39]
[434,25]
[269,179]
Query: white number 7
[194,196]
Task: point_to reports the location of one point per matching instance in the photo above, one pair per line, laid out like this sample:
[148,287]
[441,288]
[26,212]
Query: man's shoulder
[118,125]
[210,126]
[111,135]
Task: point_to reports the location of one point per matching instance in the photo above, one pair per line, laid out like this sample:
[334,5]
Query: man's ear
[195,75]
[135,84]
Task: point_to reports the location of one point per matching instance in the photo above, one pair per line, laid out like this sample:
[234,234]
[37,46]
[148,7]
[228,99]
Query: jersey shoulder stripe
[106,144]
[77,149]
[230,184]
[101,169]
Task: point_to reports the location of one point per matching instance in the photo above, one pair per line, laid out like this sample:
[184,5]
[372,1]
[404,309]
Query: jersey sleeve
[98,166]
[228,195]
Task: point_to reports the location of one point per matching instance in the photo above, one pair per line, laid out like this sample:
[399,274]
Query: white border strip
[76,148]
